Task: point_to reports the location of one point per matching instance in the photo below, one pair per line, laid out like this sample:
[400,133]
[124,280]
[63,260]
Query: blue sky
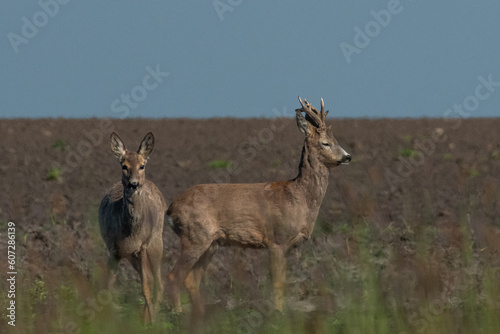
[242,58]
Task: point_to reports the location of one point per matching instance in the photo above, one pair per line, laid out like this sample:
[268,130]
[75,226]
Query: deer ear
[330,130]
[302,124]
[147,145]
[117,146]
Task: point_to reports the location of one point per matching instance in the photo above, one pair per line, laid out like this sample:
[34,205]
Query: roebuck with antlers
[131,217]
[273,215]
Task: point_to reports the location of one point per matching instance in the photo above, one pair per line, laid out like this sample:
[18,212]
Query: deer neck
[131,204]
[313,177]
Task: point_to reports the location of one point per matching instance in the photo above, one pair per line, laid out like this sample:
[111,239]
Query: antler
[317,117]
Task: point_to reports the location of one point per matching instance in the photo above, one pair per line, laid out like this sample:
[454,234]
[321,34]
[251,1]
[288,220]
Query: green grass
[59,144]
[38,291]
[367,297]
[448,157]
[473,172]
[407,152]
[54,174]
[396,279]
[216,164]
[406,138]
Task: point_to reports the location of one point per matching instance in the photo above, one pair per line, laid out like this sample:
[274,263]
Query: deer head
[133,163]
[319,137]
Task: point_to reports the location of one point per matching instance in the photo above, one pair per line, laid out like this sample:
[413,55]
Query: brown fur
[275,215]
[131,221]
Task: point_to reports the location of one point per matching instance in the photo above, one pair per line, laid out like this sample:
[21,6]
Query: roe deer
[131,218]
[274,215]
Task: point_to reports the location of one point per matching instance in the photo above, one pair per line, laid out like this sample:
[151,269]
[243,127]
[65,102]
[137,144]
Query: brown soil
[393,184]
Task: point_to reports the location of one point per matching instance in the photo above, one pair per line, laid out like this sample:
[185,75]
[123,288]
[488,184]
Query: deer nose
[133,184]
[347,158]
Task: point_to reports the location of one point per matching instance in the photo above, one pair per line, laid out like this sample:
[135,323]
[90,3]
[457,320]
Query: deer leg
[113,261]
[190,254]
[193,279]
[154,255]
[277,262]
[140,263]
[147,286]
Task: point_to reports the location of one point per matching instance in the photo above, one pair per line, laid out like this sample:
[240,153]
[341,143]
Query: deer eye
[141,167]
[326,144]
[124,167]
